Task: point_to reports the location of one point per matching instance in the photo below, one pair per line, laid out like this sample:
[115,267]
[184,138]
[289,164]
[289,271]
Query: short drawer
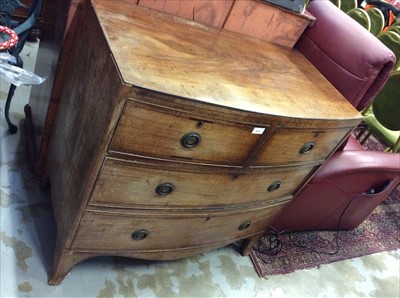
[145,130]
[297,146]
[107,231]
[133,184]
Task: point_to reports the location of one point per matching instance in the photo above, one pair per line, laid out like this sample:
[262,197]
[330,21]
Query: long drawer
[174,135]
[134,184]
[143,231]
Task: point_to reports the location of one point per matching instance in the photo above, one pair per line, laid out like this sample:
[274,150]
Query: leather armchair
[350,57]
[349,186]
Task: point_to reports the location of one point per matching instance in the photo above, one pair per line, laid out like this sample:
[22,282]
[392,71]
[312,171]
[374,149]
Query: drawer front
[108,231]
[129,184]
[161,134]
[295,146]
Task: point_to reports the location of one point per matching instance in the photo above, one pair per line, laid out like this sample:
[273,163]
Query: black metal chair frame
[7,8]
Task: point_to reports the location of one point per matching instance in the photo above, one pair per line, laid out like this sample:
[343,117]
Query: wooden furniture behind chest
[250,17]
[174,138]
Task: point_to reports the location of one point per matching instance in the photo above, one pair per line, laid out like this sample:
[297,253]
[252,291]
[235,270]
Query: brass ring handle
[165,189]
[244,225]
[140,234]
[190,140]
[274,186]
[307,147]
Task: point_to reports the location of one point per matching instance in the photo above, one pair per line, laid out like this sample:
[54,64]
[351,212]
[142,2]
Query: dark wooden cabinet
[21,14]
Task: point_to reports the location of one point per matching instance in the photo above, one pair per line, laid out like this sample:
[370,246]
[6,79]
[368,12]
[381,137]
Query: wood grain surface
[222,142]
[135,83]
[133,185]
[112,231]
[284,146]
[215,66]
[266,21]
[82,128]
[250,17]
[213,13]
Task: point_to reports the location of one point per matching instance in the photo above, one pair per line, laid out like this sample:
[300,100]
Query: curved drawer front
[162,134]
[129,184]
[296,146]
[116,231]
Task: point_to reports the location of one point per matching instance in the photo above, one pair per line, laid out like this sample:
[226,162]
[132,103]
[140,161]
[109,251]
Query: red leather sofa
[349,186]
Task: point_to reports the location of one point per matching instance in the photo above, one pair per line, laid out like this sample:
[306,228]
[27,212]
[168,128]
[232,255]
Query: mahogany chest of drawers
[173,138]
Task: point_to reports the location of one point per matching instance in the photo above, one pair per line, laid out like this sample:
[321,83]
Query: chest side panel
[89,108]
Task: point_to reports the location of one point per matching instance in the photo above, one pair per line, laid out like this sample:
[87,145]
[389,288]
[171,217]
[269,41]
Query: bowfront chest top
[173,138]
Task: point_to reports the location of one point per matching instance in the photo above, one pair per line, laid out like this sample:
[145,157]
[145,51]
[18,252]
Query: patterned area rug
[304,250]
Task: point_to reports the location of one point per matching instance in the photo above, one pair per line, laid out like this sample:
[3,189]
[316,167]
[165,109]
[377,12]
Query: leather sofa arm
[360,164]
[344,191]
[366,176]
[350,57]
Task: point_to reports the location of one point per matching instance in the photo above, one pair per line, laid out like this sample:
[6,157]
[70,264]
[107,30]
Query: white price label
[258,130]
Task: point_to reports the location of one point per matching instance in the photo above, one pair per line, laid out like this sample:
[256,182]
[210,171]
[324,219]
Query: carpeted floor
[303,250]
